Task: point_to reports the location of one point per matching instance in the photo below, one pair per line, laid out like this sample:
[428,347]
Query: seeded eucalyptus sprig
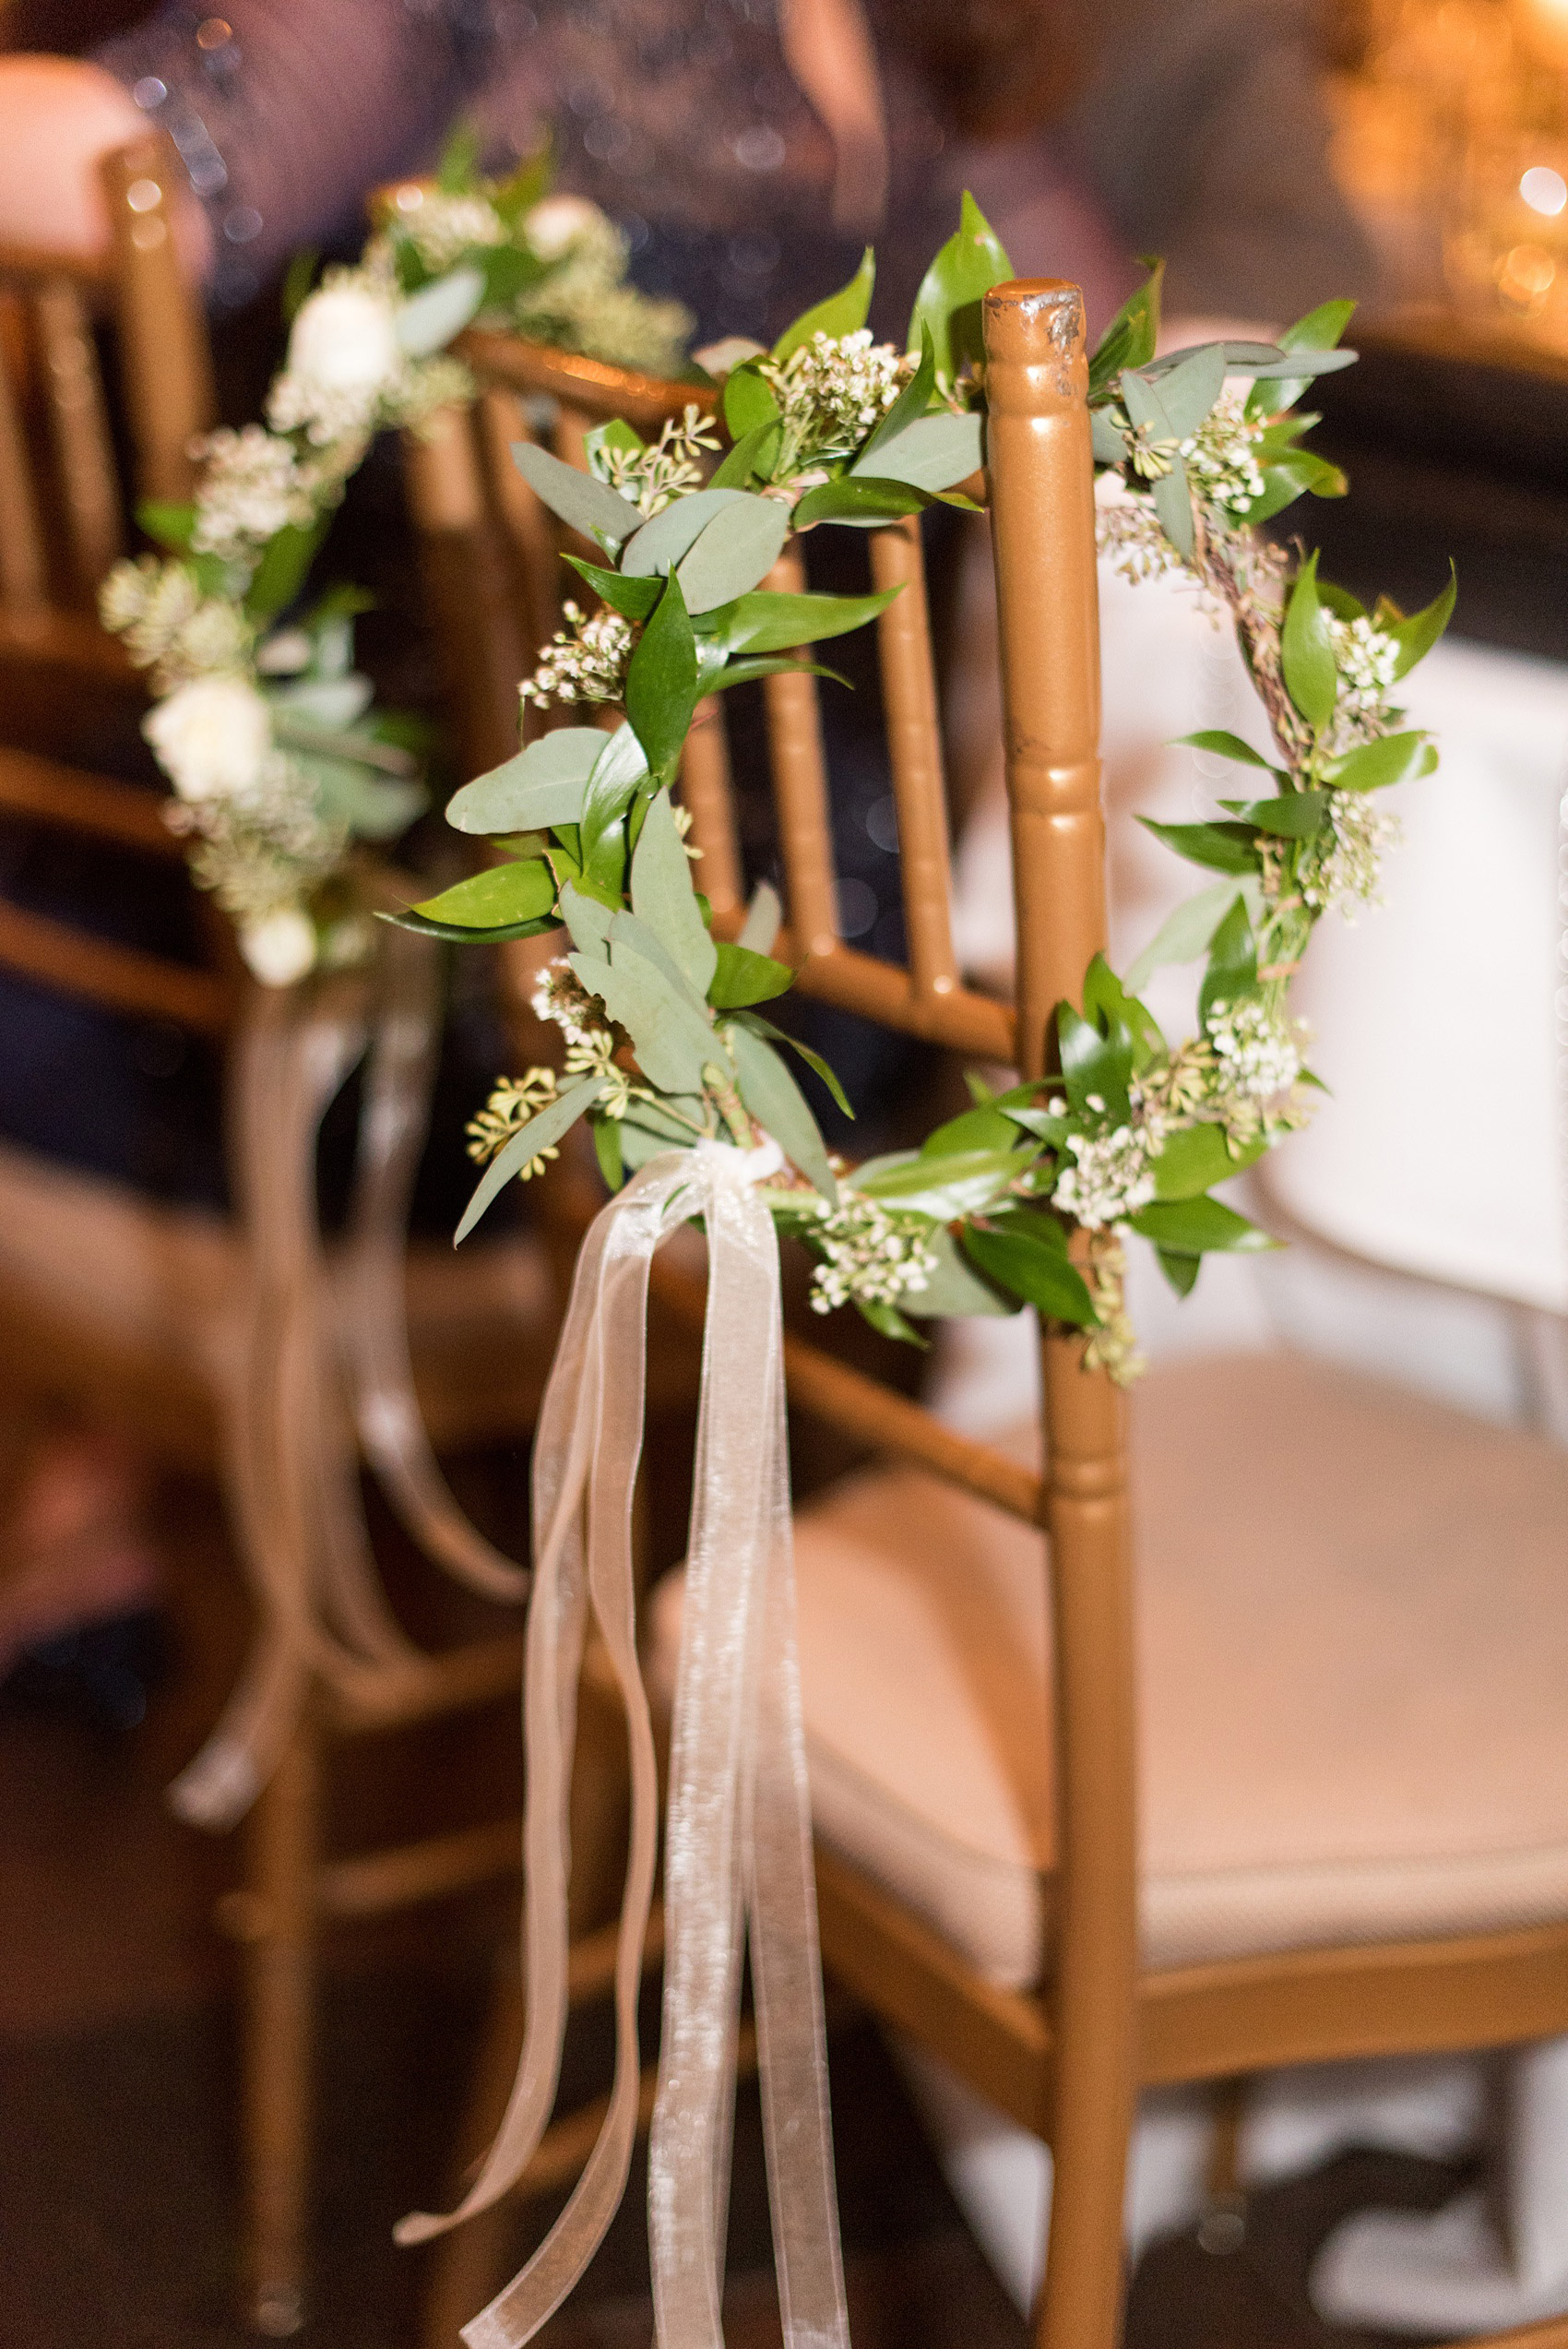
[665,1038]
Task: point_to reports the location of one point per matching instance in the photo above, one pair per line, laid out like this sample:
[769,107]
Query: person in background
[747,150]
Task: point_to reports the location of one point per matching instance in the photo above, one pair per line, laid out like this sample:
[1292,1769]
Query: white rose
[345,339]
[212,738]
[280,948]
[555,225]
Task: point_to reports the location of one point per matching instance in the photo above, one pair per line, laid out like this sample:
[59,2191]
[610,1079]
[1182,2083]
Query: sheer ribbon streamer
[737,1854]
[305,1387]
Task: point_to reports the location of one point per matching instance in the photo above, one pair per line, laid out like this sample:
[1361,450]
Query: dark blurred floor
[117,2156]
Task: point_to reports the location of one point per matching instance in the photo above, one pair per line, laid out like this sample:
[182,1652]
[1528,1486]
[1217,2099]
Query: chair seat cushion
[1353,1653]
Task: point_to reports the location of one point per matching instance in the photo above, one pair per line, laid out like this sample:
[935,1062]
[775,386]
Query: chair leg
[1080,2303]
[279,2015]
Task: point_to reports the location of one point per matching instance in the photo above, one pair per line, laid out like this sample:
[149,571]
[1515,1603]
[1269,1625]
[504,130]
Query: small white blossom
[1257,1048]
[584,662]
[1221,456]
[560,998]
[1345,871]
[344,359]
[1368,661]
[832,390]
[868,1254]
[1110,1177]
[213,739]
[443,228]
[252,487]
[280,948]
[557,222]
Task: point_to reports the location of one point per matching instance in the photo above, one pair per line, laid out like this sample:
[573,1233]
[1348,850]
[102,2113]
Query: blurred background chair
[170,1323]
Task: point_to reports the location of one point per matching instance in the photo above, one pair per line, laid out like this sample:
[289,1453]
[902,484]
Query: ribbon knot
[738,1849]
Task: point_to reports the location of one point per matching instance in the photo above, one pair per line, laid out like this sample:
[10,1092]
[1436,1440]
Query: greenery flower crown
[665,1040]
[266,730]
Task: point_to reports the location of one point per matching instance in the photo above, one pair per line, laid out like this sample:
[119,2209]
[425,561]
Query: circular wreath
[664,1039]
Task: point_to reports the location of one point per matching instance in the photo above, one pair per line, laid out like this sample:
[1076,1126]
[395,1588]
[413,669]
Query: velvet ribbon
[738,1852]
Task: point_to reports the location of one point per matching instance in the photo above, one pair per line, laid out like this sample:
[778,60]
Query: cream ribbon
[738,1849]
[828,48]
[292,1463]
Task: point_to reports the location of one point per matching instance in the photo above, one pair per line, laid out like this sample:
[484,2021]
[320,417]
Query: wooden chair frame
[1068,2060]
[61,525]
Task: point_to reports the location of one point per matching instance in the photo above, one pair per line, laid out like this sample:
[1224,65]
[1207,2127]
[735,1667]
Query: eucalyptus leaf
[672,1043]
[1109,440]
[545,1130]
[754,452]
[1306,650]
[842,313]
[502,894]
[1169,492]
[736,549]
[1319,331]
[767,622]
[913,401]
[1290,816]
[1224,848]
[661,681]
[1189,391]
[1194,1158]
[1232,970]
[1198,1227]
[1224,744]
[932,453]
[860,500]
[960,1182]
[659,545]
[587,922]
[627,928]
[771,1095]
[323,701]
[1374,765]
[633,597]
[619,769]
[953,1287]
[1133,336]
[765,915]
[814,1060]
[951,293]
[663,895]
[544,784]
[1416,636]
[1041,1276]
[749,401]
[742,977]
[587,504]
[428,320]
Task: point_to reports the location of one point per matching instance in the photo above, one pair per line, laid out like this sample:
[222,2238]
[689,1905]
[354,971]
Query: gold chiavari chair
[1059,1845]
[157,1320]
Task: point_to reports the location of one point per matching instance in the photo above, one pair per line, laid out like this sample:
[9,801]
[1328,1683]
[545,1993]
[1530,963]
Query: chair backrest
[64,521]
[1040,493]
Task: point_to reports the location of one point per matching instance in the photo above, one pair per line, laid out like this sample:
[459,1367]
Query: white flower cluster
[561,999]
[252,486]
[867,1255]
[1221,456]
[1129,536]
[1112,1175]
[1345,871]
[442,228]
[586,661]
[1257,1048]
[585,302]
[345,365]
[1368,661]
[169,626]
[652,477]
[832,390]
